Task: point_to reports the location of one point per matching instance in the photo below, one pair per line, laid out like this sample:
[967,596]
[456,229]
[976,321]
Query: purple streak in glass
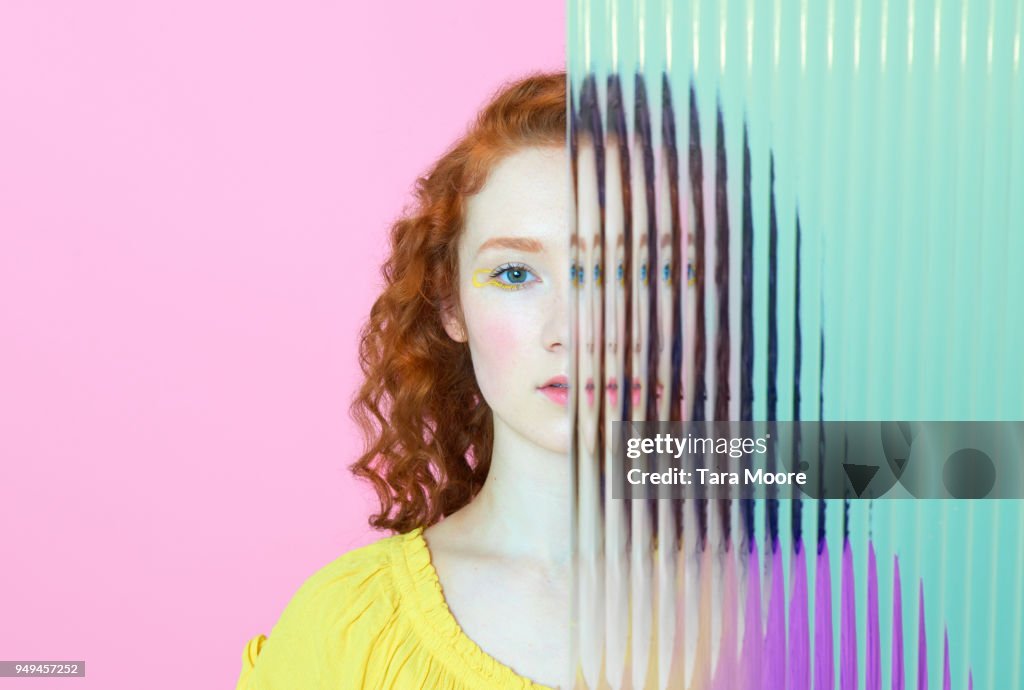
[799,644]
[824,673]
[947,681]
[774,656]
[898,681]
[922,642]
[873,670]
[848,625]
[750,659]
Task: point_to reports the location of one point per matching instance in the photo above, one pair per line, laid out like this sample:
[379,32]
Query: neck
[523,508]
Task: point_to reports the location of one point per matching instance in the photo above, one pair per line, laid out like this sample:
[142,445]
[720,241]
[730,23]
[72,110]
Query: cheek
[498,341]
[495,339]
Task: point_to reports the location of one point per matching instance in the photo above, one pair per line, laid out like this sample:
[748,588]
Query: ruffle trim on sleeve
[249,655]
[252,650]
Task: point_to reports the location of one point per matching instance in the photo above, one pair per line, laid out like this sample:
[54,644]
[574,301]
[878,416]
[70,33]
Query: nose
[555,334]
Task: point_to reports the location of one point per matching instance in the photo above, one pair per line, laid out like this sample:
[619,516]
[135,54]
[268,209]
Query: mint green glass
[891,133]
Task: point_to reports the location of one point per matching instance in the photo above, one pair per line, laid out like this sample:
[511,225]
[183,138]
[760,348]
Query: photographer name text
[707,477]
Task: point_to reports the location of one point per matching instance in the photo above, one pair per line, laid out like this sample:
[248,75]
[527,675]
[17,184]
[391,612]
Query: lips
[556,389]
[613,391]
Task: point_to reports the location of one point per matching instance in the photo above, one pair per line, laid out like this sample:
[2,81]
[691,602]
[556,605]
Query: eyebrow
[666,239]
[525,244]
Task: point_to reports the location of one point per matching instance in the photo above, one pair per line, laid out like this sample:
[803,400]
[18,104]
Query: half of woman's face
[514,290]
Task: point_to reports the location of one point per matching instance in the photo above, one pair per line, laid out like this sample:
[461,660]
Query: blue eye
[597,273]
[515,275]
[572,275]
[620,273]
[666,273]
[643,273]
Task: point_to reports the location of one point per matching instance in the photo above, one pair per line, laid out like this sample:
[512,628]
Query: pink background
[194,199]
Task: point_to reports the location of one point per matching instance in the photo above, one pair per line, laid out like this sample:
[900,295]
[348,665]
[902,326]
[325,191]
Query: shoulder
[333,615]
[336,591]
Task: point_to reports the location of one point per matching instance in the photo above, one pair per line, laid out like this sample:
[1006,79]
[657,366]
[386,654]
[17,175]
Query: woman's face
[514,291]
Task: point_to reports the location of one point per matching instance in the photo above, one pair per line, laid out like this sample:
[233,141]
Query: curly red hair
[428,429]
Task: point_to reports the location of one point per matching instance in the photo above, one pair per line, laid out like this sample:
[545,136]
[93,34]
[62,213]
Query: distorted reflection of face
[661,272]
[614,283]
[514,292]
[689,307]
[666,319]
[588,215]
[639,283]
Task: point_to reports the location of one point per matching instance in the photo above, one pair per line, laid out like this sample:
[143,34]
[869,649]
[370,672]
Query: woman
[465,408]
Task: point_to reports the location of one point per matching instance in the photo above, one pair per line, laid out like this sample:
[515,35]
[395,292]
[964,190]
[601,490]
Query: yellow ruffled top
[374,618]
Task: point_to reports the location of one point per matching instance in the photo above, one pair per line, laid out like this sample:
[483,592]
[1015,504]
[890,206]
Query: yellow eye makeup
[506,277]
